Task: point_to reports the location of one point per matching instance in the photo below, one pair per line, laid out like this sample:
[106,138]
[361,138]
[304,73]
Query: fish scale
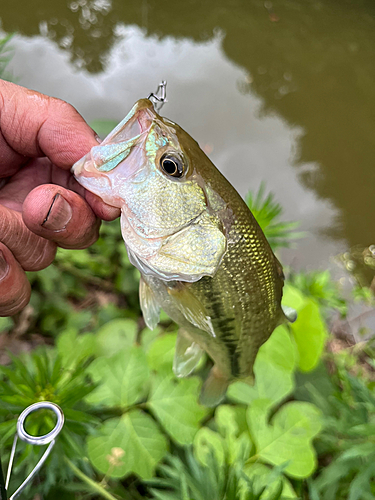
[255,289]
[202,256]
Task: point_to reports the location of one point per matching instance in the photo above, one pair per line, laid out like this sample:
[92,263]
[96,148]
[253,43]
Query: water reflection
[278,91]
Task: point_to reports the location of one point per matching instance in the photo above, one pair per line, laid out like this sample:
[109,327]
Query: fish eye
[172,165]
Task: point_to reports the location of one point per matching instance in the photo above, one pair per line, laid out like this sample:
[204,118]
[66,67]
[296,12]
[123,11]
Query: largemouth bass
[202,256]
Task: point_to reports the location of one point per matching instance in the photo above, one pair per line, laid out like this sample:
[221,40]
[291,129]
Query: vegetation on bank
[304,430]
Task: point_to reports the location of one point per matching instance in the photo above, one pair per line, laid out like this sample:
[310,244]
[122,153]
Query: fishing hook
[159,100]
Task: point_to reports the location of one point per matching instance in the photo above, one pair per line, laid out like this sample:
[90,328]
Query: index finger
[33,124]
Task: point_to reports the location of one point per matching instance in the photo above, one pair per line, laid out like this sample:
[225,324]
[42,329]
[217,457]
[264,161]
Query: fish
[201,254]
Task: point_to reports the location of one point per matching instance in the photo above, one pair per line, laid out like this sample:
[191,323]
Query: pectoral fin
[149,305]
[187,355]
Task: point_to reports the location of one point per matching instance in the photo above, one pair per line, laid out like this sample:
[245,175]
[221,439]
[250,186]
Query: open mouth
[137,122]
[117,145]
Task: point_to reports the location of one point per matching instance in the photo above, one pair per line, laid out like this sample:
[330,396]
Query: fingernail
[98,139]
[58,215]
[4,266]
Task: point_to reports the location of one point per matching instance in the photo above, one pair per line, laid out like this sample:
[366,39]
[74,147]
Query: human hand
[41,204]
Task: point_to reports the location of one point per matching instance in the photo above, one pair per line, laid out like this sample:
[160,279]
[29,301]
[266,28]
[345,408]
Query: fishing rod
[46,439]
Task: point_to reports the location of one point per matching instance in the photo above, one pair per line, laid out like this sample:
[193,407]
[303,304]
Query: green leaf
[161,353]
[261,477]
[207,442]
[149,336]
[287,439]
[132,443]
[267,213]
[273,370]
[115,335]
[231,444]
[310,333]
[122,378]
[175,404]
[320,286]
[362,483]
[6,324]
[292,297]
[225,418]
[309,330]
[74,348]
[238,445]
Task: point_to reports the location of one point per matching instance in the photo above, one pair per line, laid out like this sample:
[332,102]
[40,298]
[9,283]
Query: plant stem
[93,280]
[90,482]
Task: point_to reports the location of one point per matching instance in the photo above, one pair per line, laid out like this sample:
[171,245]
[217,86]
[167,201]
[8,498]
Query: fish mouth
[129,133]
[119,157]
[137,122]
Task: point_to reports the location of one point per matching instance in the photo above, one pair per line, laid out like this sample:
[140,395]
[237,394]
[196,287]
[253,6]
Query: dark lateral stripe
[225,327]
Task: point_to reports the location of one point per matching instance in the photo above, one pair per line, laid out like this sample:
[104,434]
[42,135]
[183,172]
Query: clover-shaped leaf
[115,335]
[132,443]
[161,353]
[264,477]
[209,442]
[287,439]
[232,442]
[175,405]
[309,330]
[74,348]
[122,378]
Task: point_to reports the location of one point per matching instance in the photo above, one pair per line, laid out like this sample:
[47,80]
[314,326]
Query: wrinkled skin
[41,205]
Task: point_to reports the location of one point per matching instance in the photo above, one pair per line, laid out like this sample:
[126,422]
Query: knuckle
[62,108]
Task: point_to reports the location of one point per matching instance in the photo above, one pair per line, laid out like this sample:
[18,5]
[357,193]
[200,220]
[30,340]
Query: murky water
[279,91]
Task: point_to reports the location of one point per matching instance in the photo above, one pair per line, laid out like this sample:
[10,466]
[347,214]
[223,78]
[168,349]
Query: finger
[33,125]
[14,287]
[101,209]
[40,171]
[32,252]
[15,190]
[10,159]
[60,215]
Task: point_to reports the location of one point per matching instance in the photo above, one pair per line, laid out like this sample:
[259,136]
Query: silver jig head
[159,100]
[48,438]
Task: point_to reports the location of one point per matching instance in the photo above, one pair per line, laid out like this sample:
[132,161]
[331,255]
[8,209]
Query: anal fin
[187,355]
